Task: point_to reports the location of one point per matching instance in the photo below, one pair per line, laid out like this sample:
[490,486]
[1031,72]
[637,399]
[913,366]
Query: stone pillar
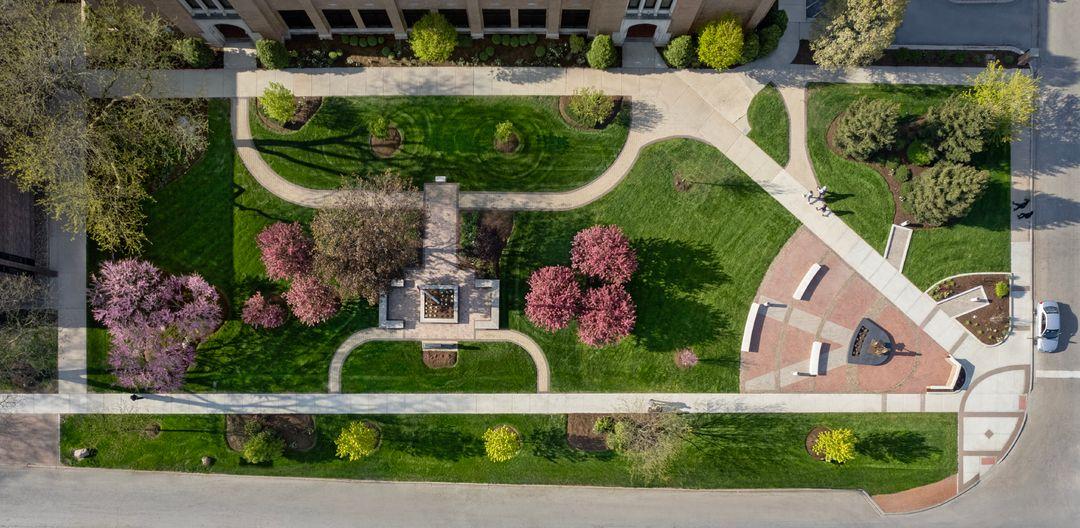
[356,18]
[554,18]
[762,10]
[476,18]
[317,19]
[396,20]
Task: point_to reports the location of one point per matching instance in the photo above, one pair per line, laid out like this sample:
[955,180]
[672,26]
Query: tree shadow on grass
[550,444]
[670,274]
[444,443]
[238,192]
[900,446]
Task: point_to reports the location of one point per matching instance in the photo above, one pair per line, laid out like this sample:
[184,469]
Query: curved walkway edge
[543,372]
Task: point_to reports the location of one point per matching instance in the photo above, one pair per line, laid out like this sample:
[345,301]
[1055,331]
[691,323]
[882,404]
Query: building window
[458,18]
[375,18]
[665,5]
[296,19]
[532,18]
[650,4]
[575,19]
[194,4]
[496,18]
[412,16]
[339,18]
[225,5]
[633,5]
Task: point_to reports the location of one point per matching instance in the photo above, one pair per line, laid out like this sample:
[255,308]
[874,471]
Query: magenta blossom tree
[608,315]
[553,299]
[155,321]
[286,250]
[259,312]
[603,252]
[311,301]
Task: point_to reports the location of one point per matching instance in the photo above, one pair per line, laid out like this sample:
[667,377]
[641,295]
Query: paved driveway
[941,22]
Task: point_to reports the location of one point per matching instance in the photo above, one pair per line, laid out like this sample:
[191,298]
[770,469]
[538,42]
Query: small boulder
[84,453]
[208,461]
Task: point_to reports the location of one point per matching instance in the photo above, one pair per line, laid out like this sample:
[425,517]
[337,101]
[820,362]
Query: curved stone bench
[808,279]
[752,319]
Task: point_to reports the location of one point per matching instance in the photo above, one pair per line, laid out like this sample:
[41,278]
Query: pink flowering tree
[286,250]
[155,321]
[311,301]
[553,299]
[259,312]
[603,252]
[608,315]
[685,358]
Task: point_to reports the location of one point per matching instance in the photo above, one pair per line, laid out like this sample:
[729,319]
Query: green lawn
[769,124]
[895,452]
[451,136]
[206,222]
[702,254]
[396,366]
[978,242]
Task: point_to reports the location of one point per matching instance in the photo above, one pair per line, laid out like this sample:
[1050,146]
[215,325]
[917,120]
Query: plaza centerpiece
[870,345]
[438,303]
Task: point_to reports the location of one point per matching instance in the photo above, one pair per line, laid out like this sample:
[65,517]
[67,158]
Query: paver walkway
[67,256]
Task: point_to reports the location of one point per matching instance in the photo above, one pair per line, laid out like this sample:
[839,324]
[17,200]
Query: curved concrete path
[543,372]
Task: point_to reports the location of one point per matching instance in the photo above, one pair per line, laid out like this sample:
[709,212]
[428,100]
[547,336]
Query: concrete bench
[814,368]
[954,377]
[751,323]
[392,324]
[397,283]
[807,279]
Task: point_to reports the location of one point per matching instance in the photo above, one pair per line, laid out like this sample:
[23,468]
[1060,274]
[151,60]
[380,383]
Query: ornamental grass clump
[835,445]
[379,127]
[278,103]
[357,440]
[502,443]
[504,132]
[263,446]
[589,106]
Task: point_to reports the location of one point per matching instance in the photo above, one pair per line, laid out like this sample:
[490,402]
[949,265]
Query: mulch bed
[681,184]
[811,437]
[437,359]
[152,430]
[298,430]
[907,133]
[492,231]
[388,146]
[912,57]
[564,103]
[306,108]
[580,434]
[991,322]
[509,146]
[367,56]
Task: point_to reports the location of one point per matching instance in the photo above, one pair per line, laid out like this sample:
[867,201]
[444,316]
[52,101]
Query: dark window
[296,19]
[532,18]
[633,5]
[225,4]
[458,18]
[194,4]
[412,16]
[575,19]
[496,18]
[650,4]
[339,18]
[375,18]
[665,4]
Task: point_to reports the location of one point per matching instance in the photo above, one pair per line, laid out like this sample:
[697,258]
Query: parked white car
[1048,326]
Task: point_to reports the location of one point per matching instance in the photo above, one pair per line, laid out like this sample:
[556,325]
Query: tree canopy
[851,33]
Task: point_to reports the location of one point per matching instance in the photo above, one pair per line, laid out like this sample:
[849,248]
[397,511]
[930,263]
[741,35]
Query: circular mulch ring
[510,146]
[811,437]
[306,108]
[680,183]
[386,148]
[152,430]
[564,104]
[298,430]
[437,359]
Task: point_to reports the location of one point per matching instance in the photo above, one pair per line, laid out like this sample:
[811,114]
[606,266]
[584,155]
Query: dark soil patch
[509,146]
[991,322]
[483,237]
[439,303]
[152,430]
[306,107]
[388,146]
[907,131]
[811,437]
[681,184]
[941,58]
[437,359]
[564,111]
[580,433]
[298,430]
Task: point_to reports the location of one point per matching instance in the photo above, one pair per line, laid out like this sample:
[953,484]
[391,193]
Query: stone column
[396,20]
[759,13]
[317,19]
[554,18]
[356,18]
[476,18]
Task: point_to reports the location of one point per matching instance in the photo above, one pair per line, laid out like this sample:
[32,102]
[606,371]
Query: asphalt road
[946,23]
[1038,485]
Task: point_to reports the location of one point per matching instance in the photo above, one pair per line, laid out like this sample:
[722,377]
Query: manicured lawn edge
[396,366]
[770,127]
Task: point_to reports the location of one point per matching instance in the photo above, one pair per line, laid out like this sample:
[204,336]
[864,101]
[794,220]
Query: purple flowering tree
[603,252]
[286,250]
[553,298]
[311,301]
[608,315]
[155,321]
[259,312]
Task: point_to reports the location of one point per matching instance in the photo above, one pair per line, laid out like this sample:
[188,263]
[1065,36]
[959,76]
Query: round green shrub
[679,53]
[372,40]
[262,447]
[464,41]
[193,52]
[355,40]
[720,43]
[496,39]
[357,441]
[380,40]
[601,53]
[540,51]
[835,445]
[589,106]
[751,48]
[1001,289]
[379,126]
[502,443]
[903,174]
[504,131]
[867,127]
[278,103]
[433,39]
[272,54]
[769,37]
[489,51]
[920,154]
[386,51]
[531,38]
[946,192]
[577,44]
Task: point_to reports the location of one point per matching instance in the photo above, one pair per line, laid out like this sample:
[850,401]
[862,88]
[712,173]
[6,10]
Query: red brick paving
[917,498]
[844,298]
